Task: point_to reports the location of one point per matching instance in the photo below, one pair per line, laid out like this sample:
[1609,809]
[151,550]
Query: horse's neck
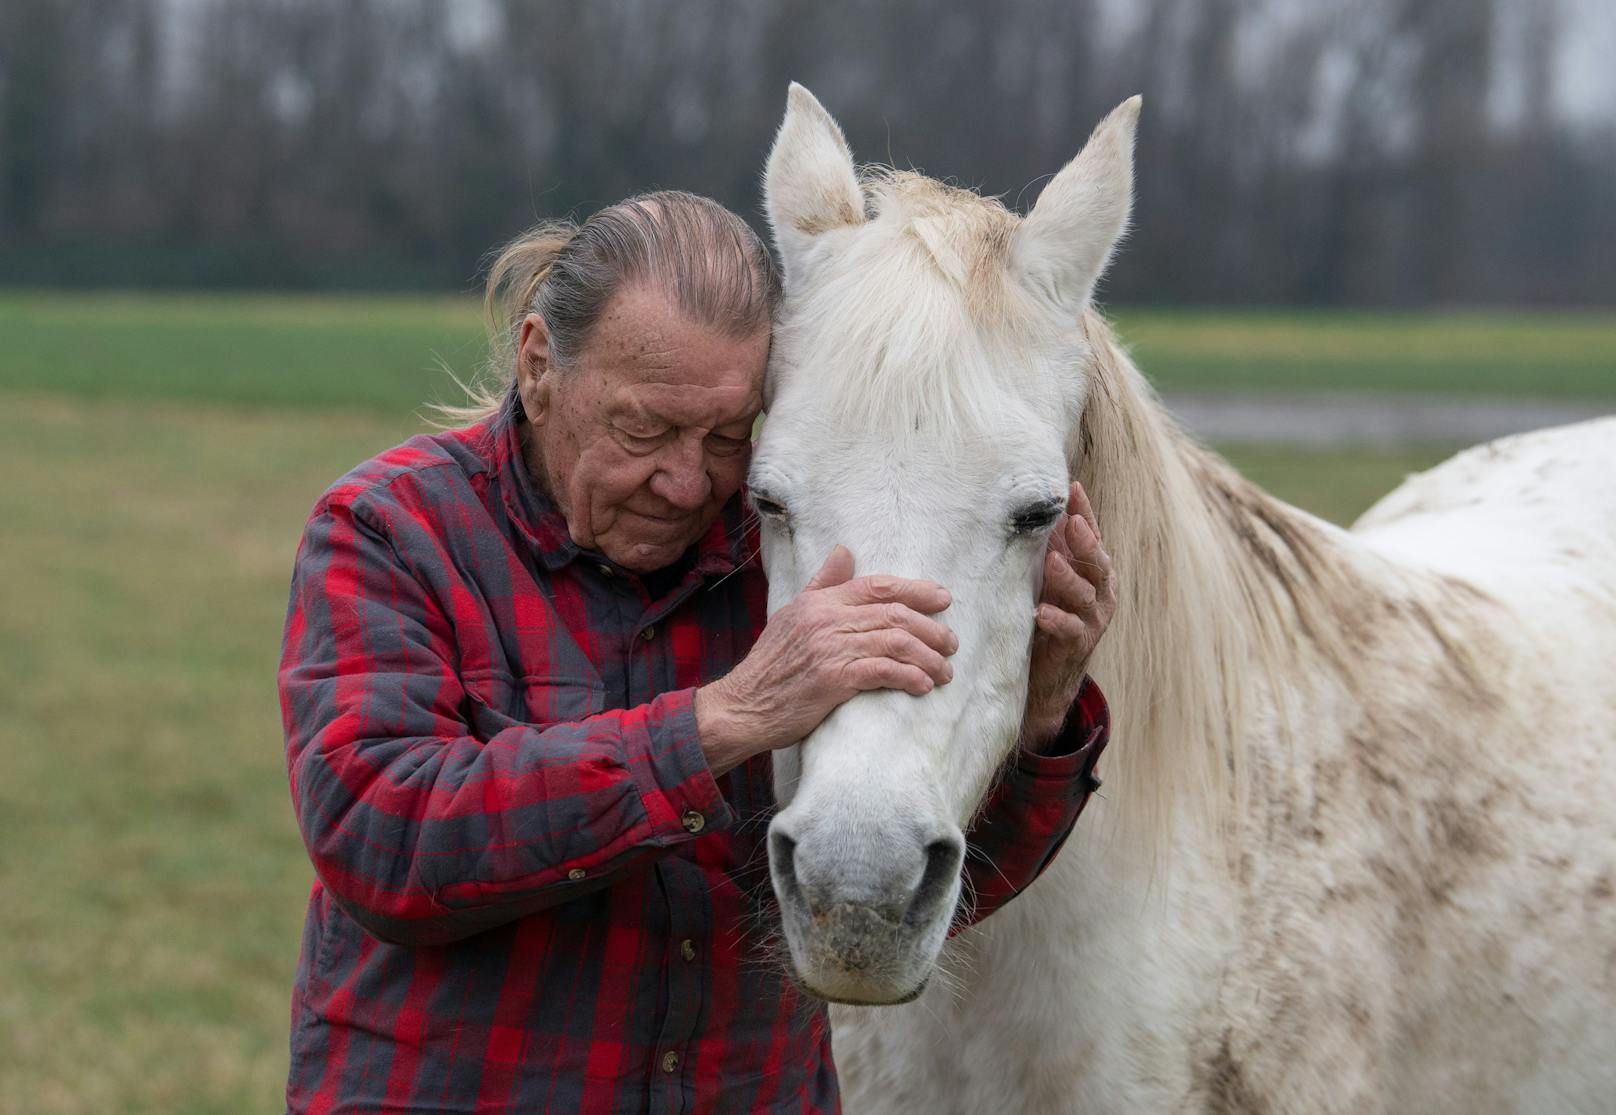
[1247,636]
[1232,604]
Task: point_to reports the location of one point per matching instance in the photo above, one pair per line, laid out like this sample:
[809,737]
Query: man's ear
[810,185]
[535,368]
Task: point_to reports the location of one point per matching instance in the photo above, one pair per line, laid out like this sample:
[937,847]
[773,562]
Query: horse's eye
[763,505]
[1035,516]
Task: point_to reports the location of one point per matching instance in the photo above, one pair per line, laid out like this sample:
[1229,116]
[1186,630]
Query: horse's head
[925,387]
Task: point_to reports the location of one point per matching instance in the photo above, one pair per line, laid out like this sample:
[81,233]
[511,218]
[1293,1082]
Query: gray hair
[707,259]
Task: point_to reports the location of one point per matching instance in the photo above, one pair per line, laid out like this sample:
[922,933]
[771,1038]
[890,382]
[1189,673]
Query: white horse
[1356,850]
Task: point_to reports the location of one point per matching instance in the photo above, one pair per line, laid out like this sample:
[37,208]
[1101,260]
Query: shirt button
[576,873]
[670,1061]
[693,821]
[648,633]
[687,949]
[605,571]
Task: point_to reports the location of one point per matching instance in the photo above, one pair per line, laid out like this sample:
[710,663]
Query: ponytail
[511,292]
[518,273]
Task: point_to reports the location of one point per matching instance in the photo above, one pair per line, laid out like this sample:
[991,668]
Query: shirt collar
[540,522]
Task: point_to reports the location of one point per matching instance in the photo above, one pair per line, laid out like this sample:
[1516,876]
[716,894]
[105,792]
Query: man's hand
[1079,599]
[841,636]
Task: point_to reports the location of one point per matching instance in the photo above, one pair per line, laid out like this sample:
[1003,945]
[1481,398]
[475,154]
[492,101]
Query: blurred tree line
[1329,151]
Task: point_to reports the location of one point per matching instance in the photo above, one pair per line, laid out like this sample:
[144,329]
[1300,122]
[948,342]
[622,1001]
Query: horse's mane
[1225,592]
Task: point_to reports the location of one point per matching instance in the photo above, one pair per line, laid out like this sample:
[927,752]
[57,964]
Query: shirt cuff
[1067,767]
[681,797]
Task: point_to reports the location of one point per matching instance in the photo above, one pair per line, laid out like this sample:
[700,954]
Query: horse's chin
[854,956]
[871,1000]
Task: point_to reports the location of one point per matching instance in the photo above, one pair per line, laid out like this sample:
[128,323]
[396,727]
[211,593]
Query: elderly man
[530,691]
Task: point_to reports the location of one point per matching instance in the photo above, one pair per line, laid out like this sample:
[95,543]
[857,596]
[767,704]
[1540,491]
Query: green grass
[160,456]
[388,354]
[383,354]
[1561,356]
[154,875]
[1335,484]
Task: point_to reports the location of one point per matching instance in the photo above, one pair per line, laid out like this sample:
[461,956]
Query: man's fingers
[1060,539]
[1077,503]
[880,588]
[875,617]
[1087,553]
[1108,591]
[1058,624]
[885,673]
[1076,525]
[1064,588]
[837,569]
[903,648]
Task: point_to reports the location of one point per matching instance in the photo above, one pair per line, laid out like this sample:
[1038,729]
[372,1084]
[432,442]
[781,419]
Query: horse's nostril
[944,857]
[943,860]
[900,887]
[783,861]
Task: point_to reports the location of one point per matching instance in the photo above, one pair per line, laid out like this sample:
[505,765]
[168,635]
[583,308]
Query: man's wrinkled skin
[648,433]
[644,437]
[1078,601]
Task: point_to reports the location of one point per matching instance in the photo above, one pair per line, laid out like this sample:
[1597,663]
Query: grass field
[1558,356]
[388,354]
[159,461]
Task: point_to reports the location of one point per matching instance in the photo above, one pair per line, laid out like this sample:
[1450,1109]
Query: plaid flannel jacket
[532,895]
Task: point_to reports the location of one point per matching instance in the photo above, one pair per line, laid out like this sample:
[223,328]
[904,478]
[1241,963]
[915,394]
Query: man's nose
[682,479]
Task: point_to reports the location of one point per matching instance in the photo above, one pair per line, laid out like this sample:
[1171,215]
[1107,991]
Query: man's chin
[644,543]
[648,556]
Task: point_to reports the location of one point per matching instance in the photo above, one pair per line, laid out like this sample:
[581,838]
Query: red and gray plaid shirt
[532,894]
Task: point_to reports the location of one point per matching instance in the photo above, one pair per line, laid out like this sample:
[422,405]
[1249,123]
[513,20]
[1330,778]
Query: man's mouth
[663,520]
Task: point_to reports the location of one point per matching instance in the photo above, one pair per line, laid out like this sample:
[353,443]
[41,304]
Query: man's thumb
[837,570]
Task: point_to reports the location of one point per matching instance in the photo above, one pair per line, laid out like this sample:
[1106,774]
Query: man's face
[647,435]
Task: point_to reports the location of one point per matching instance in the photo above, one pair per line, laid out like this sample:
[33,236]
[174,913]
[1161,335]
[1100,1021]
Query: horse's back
[1530,522]
[1536,508]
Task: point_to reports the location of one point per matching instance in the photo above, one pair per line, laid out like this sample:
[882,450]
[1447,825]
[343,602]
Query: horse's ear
[810,186]
[1063,246]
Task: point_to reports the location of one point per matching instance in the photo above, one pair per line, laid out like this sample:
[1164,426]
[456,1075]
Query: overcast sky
[1587,74]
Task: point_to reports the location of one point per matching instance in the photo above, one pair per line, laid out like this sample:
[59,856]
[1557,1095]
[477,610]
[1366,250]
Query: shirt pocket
[498,700]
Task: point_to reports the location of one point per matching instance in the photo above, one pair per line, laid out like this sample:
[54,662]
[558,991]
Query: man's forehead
[642,333]
[641,347]
[657,362]
[685,403]
[707,361]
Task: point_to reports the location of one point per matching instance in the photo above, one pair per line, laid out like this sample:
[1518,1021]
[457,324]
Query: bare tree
[1347,151]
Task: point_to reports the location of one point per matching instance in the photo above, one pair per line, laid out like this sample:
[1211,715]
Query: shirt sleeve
[1033,809]
[422,831]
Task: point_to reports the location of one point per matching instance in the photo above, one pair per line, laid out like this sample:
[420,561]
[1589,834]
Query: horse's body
[1356,851]
[1414,909]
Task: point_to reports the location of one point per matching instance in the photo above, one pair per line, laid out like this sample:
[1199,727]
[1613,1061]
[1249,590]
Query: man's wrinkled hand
[1078,601]
[842,635]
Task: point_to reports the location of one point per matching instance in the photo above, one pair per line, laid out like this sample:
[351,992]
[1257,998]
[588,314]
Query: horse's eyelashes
[763,505]
[1034,517]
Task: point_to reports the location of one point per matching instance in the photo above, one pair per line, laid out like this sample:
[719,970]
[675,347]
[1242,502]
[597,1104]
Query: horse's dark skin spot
[1227,1092]
[1603,889]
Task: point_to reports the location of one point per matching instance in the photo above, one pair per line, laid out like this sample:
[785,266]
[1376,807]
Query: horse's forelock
[920,330]
[966,235]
